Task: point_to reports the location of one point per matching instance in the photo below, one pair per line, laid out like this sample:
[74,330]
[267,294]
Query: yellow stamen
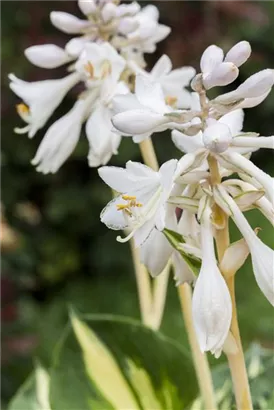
[89,69]
[106,69]
[121,207]
[138,204]
[128,197]
[172,101]
[22,109]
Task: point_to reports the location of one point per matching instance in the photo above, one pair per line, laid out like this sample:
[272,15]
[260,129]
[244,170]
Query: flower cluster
[194,196]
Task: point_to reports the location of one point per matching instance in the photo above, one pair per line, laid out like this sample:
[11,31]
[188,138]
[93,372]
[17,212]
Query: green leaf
[34,394]
[175,239]
[111,362]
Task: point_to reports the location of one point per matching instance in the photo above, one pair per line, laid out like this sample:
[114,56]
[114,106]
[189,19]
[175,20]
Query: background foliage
[55,250]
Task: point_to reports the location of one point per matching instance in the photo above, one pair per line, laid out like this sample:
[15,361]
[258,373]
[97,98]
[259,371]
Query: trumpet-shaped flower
[142,113]
[211,304]
[262,256]
[141,205]
[41,97]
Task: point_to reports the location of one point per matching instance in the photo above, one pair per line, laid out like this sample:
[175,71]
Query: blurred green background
[55,251]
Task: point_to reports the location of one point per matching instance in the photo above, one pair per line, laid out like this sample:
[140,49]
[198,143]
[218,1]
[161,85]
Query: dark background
[55,251]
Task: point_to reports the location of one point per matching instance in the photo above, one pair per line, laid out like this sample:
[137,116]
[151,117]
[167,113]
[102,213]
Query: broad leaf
[105,362]
[175,239]
[34,394]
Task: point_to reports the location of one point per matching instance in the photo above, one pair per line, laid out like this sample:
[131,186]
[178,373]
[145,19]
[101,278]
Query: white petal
[127,25]
[180,76]
[108,12]
[140,170]
[116,178]
[113,218]
[185,143]
[162,67]
[47,56]
[150,94]
[253,102]
[211,304]
[138,121]
[223,74]
[155,252]
[142,234]
[234,258]
[67,22]
[234,120]
[76,45]
[167,174]
[239,53]
[256,142]
[125,102]
[182,273]
[87,6]
[257,84]
[211,57]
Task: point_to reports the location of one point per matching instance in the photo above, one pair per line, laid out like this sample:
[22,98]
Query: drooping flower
[211,304]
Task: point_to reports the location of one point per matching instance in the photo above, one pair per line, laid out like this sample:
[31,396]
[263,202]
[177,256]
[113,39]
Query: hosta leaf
[175,239]
[34,393]
[116,363]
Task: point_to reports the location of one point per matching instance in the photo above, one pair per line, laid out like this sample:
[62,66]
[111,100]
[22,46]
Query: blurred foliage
[60,252]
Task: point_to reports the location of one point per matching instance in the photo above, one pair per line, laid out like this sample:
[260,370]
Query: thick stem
[199,358]
[148,154]
[159,297]
[236,361]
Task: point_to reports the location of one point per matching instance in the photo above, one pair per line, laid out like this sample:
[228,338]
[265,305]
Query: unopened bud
[257,84]
[87,6]
[212,57]
[47,56]
[128,9]
[128,25]
[217,137]
[223,74]
[67,22]
[239,53]
[234,258]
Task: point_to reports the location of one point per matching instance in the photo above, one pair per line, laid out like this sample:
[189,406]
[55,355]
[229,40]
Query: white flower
[61,138]
[68,23]
[149,31]
[211,304]
[47,56]
[239,53]
[41,97]
[173,82]
[140,206]
[142,113]
[100,61]
[262,256]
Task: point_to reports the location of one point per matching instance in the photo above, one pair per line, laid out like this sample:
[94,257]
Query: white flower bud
[257,84]
[211,305]
[211,57]
[47,56]
[239,53]
[222,74]
[128,25]
[109,12]
[76,45]
[136,122]
[128,9]
[217,137]
[67,22]
[234,258]
[151,12]
[87,6]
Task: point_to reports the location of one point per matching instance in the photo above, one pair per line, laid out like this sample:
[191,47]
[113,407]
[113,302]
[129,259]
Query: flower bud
[239,53]
[151,12]
[136,122]
[257,84]
[76,45]
[67,22]
[47,56]
[109,12]
[212,57]
[222,74]
[234,258]
[87,6]
[217,137]
[128,9]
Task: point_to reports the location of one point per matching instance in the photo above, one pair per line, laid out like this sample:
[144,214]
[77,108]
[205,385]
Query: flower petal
[162,67]
[150,94]
[47,56]
[113,218]
[211,57]
[136,122]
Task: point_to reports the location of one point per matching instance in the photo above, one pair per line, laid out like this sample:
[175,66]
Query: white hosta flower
[100,61]
[211,304]
[61,138]
[47,56]
[41,97]
[173,82]
[262,256]
[149,31]
[142,113]
[141,205]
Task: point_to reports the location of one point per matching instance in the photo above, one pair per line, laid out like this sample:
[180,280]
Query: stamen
[127,238]
[172,101]
[128,197]
[89,69]
[120,207]
[106,69]
[22,109]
